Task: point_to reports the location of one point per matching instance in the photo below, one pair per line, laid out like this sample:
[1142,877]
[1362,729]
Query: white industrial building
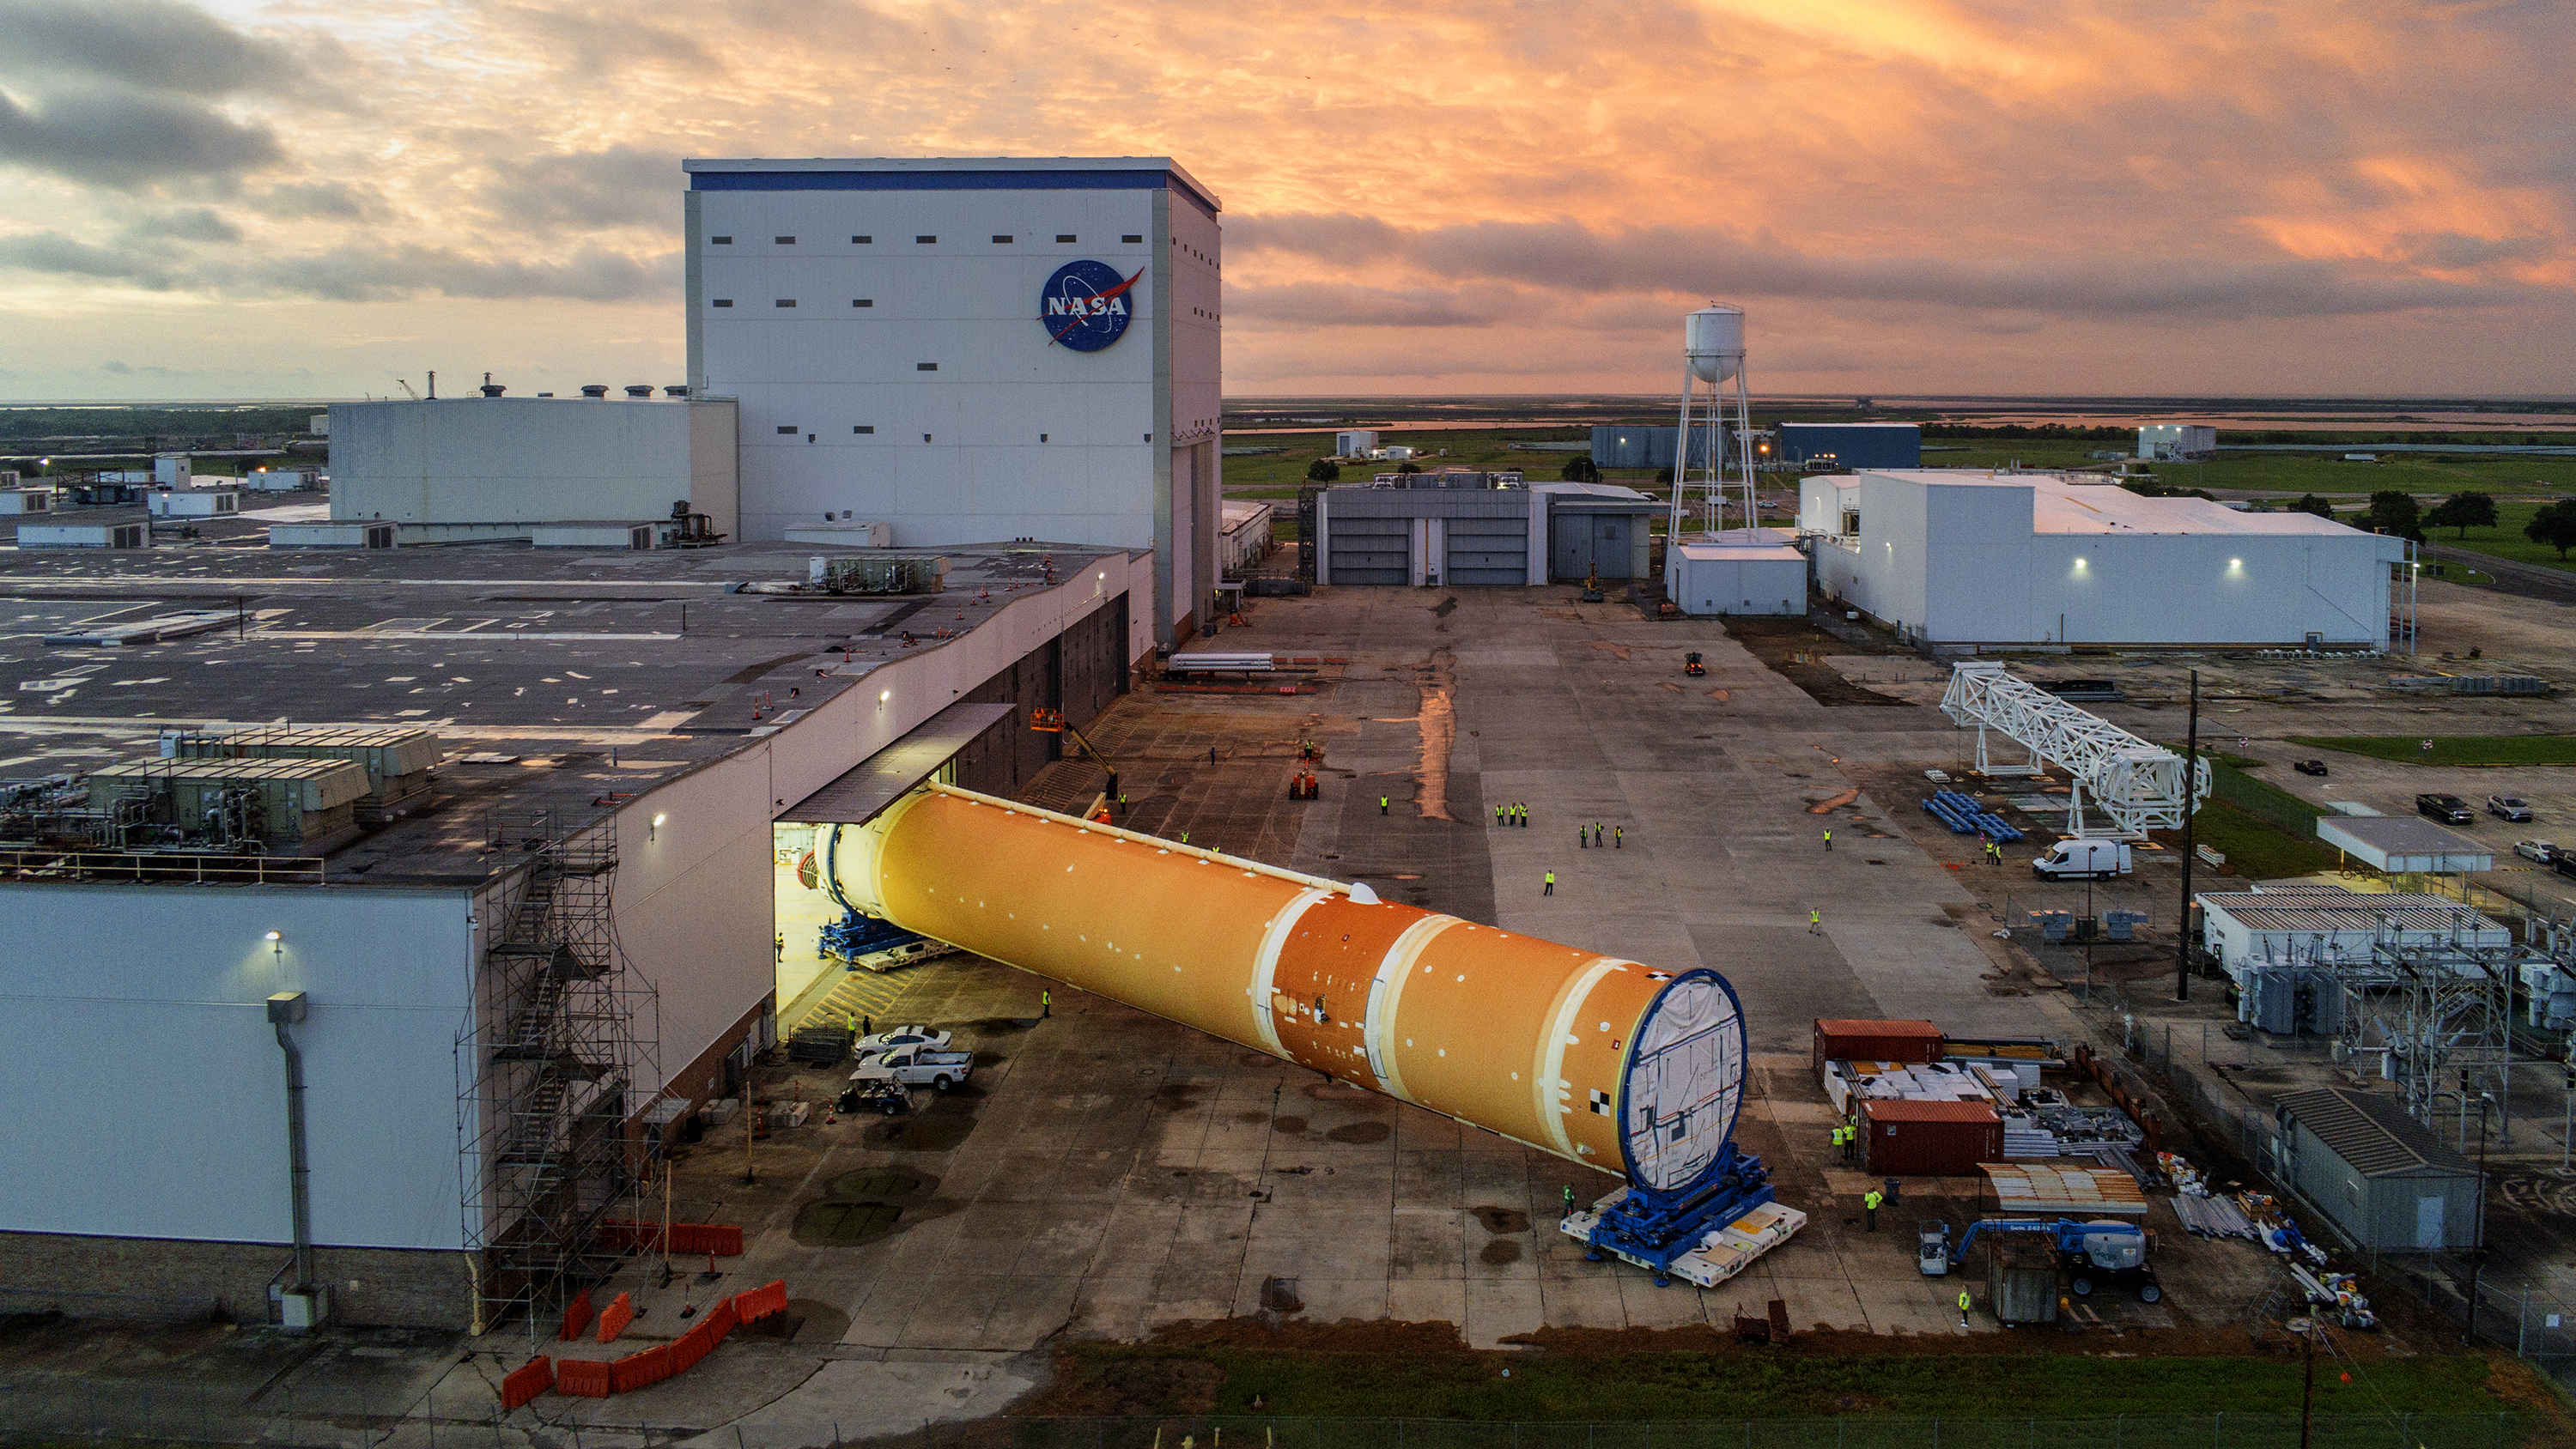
[969,350]
[2177,441]
[1740,571]
[458,469]
[1974,558]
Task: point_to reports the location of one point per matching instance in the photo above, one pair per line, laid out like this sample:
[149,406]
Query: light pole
[2478,1249]
[2190,784]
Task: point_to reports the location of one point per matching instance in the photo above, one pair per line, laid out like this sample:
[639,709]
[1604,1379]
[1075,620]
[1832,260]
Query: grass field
[2453,749]
[2256,848]
[1152,1378]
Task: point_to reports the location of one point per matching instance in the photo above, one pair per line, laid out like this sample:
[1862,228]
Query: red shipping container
[1843,1039]
[1933,1139]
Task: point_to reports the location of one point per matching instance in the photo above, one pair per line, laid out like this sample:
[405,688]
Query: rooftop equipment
[398,760]
[899,574]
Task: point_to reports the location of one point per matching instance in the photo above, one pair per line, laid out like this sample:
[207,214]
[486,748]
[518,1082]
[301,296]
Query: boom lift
[2093,1253]
[1053,722]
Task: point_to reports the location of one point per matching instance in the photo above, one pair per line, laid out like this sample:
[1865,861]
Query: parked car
[916,1066]
[2563,863]
[2541,851]
[2509,807]
[901,1036]
[2449,809]
[2309,767]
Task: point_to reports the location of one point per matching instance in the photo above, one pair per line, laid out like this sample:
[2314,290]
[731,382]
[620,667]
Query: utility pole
[2308,1385]
[2190,804]
[2478,1249]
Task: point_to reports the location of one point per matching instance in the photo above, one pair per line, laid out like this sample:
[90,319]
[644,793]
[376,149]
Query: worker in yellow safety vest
[1869,1207]
[1963,1308]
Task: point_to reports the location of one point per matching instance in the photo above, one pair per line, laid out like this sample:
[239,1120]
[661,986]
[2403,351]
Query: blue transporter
[1695,1207]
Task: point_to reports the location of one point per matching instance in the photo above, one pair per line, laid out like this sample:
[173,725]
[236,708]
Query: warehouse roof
[2061,504]
[2328,913]
[2404,843]
[564,680]
[2372,1134]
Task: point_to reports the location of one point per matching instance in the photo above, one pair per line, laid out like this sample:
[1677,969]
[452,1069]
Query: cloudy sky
[248,198]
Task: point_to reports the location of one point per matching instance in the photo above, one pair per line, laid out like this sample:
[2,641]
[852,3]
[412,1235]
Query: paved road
[2531,581]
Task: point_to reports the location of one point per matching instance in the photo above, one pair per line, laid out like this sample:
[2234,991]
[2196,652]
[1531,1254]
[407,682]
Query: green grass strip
[2452,749]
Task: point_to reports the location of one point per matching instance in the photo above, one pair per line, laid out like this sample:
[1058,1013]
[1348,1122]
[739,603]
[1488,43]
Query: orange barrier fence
[523,1384]
[589,1379]
[759,1303]
[637,1370]
[576,1320]
[612,1323]
[722,1239]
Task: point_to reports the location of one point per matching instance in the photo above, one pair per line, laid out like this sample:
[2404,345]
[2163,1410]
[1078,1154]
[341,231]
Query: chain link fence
[106,1412]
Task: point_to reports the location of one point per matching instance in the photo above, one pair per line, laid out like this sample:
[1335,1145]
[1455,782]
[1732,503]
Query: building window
[925,367]
[864,428]
[860,241]
[1001,241]
[724,241]
[724,301]
[786,428]
[1066,237]
[923,241]
[863,301]
[787,241]
[925,437]
[786,302]
[1042,437]
[1132,240]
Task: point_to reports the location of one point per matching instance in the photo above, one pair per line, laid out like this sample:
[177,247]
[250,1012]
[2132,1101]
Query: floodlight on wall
[653,831]
[276,944]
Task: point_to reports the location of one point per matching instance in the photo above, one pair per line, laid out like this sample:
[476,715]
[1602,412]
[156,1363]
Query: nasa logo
[1085,306]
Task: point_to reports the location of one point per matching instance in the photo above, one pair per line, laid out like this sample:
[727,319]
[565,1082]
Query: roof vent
[675,390]
[491,388]
[594,389]
[639,389]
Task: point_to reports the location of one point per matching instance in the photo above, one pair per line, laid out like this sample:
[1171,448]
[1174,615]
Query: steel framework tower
[2140,786]
[548,1064]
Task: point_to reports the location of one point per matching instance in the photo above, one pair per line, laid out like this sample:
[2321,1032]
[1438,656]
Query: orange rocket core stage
[1520,1036]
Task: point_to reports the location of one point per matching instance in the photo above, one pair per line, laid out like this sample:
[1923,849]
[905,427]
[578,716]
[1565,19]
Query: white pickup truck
[916,1066]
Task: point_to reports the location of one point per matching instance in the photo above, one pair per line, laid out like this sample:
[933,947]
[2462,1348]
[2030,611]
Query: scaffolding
[549,1061]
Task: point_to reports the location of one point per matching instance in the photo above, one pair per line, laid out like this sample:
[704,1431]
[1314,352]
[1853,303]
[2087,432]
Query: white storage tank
[1713,342]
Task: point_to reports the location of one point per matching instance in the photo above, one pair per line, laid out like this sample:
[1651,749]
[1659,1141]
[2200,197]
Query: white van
[2083,860]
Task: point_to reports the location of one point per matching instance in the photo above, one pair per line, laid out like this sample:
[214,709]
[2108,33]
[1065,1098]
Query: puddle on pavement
[1502,1219]
[1290,1125]
[1176,1097]
[1501,1251]
[1361,1133]
[937,1128]
[990,1024]
[845,1224]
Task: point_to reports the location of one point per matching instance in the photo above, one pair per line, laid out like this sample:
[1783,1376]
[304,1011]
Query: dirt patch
[1502,1219]
[1139,1387]
[1791,648]
[1361,1133]
[1500,1251]
[1616,651]
[1719,695]
[1290,1125]
[1833,802]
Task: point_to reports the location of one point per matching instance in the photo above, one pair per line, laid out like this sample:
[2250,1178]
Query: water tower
[1712,357]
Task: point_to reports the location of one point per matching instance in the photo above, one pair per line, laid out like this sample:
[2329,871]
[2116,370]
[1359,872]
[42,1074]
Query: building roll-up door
[1488,551]
[1369,550]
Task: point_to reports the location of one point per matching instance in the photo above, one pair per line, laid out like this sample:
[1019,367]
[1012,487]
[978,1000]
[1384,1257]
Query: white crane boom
[2137,784]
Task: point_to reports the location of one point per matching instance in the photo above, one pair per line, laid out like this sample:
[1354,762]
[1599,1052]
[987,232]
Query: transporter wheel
[2151,1293]
[939,1084]
[1663,1280]
[1592,1255]
[2080,1285]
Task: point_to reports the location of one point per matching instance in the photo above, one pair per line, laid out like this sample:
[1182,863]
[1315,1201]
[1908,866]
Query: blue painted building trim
[947,181]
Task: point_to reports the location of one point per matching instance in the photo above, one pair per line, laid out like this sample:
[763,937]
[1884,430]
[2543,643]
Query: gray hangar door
[1371,550]
[1585,541]
[1488,551]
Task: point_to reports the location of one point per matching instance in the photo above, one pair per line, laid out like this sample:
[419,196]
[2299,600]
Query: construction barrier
[583,1378]
[759,1303]
[588,1379]
[637,1370]
[576,1319]
[612,1323]
[523,1384]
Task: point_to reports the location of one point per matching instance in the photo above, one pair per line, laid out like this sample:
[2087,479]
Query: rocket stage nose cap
[1362,895]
